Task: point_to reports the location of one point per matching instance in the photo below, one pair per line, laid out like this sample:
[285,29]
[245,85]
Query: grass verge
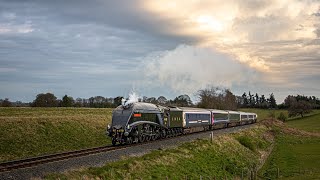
[224,157]
[26,132]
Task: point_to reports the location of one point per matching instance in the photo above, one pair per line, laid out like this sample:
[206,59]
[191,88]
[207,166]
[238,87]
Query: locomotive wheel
[129,140]
[163,134]
[147,138]
[142,138]
[168,134]
[174,132]
[154,137]
[135,139]
[114,141]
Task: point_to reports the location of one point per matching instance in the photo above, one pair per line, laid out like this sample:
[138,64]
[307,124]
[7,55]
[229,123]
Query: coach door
[166,118]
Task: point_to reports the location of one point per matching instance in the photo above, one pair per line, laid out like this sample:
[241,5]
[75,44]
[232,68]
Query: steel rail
[28,162]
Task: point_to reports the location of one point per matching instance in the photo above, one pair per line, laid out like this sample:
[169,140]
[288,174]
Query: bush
[282,117]
[246,142]
[299,108]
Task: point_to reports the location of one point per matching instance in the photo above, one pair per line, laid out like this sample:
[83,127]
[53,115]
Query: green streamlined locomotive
[140,122]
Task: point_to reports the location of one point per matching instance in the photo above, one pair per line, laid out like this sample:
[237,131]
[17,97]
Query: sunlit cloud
[16,28]
[227,26]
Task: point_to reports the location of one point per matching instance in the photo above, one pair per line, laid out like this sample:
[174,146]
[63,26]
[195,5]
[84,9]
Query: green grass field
[296,158]
[26,132]
[309,123]
[296,155]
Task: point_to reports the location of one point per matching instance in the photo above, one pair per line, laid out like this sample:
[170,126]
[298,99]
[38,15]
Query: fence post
[211,137]
[242,174]
[252,175]
[255,172]
[200,177]
[278,172]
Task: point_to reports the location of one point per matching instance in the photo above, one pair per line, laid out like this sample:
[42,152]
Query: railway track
[28,162]
[33,161]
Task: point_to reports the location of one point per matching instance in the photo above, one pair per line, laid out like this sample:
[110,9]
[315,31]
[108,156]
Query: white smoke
[187,69]
[133,97]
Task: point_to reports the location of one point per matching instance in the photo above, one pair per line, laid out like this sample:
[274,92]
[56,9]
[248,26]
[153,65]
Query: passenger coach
[140,122]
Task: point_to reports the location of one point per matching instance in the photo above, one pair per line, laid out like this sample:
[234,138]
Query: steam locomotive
[141,122]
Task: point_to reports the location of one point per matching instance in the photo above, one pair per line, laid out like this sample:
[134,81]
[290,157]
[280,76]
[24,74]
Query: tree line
[50,100]
[212,97]
[256,101]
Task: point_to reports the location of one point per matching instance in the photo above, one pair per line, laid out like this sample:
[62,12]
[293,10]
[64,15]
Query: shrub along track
[34,161]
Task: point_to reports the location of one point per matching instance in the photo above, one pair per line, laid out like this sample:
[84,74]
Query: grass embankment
[227,156]
[297,150]
[26,132]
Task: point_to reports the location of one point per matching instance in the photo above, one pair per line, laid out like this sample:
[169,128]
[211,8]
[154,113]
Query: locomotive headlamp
[108,132]
[126,133]
[128,127]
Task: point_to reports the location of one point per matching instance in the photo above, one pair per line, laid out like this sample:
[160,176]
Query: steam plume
[187,69]
[133,97]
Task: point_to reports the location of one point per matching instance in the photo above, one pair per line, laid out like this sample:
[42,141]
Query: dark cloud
[97,47]
[92,44]
[122,14]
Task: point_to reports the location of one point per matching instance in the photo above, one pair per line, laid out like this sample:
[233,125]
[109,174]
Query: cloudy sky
[167,47]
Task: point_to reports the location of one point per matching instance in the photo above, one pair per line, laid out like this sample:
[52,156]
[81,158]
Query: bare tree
[217,98]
